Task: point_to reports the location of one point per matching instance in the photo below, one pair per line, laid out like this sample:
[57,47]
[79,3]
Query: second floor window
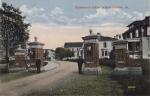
[137,33]
[105,45]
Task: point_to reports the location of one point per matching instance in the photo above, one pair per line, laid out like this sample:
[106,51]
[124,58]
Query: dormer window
[137,33]
[131,35]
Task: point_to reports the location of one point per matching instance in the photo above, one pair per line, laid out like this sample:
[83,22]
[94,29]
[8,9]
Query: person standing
[38,65]
[80,63]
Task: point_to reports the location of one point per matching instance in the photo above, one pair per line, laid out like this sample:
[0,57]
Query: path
[38,82]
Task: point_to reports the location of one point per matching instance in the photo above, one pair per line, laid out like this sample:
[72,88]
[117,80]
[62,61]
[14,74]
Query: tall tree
[14,30]
[61,53]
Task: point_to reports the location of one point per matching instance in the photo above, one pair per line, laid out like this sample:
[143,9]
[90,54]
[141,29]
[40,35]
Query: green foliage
[61,53]
[46,53]
[14,29]
[17,75]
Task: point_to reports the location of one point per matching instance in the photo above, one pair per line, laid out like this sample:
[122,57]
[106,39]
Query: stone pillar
[36,50]
[124,64]
[91,55]
[20,57]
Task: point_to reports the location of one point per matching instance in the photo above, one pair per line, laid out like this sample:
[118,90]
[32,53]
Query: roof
[73,44]
[145,22]
[105,38]
[100,38]
[50,50]
[118,42]
[35,43]
[139,22]
[90,37]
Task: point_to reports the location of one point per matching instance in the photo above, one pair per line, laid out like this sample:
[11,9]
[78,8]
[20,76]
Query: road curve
[38,82]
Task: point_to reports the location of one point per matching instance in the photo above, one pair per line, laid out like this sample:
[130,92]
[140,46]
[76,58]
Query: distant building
[137,38]
[75,47]
[49,54]
[105,44]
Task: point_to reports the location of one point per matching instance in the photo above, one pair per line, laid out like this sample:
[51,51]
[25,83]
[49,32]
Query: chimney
[99,34]
[35,39]
[90,31]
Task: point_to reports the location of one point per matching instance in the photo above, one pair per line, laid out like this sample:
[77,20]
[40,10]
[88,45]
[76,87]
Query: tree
[46,55]
[69,53]
[14,30]
[61,53]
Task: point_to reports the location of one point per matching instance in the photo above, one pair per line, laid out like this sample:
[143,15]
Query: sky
[57,21]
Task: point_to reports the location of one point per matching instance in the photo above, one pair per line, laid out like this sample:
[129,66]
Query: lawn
[85,85]
[15,75]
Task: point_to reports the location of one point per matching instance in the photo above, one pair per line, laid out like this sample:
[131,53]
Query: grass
[16,75]
[85,85]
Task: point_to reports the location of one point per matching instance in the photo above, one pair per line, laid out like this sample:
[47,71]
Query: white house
[75,47]
[105,44]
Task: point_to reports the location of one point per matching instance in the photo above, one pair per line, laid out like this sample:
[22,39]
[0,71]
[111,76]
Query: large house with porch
[137,39]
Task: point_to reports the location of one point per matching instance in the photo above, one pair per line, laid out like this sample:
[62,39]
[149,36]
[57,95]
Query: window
[137,33]
[148,30]
[105,53]
[131,35]
[105,45]
[134,46]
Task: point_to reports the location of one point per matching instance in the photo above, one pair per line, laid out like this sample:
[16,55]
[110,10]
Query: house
[49,54]
[105,43]
[137,38]
[74,47]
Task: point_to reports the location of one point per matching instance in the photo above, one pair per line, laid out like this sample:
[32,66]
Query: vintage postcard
[74,47]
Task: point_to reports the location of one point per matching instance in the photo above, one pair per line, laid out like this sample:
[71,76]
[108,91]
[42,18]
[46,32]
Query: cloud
[101,17]
[57,11]
[32,11]
[114,15]
[111,24]
[36,15]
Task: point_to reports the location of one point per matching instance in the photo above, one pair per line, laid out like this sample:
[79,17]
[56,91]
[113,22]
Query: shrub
[107,62]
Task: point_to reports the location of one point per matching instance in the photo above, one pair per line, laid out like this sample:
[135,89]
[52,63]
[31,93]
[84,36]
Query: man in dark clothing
[38,65]
[80,62]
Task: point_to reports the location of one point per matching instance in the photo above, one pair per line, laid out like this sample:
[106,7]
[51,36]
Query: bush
[145,65]
[107,62]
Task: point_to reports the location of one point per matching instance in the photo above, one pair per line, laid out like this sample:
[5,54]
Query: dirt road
[38,82]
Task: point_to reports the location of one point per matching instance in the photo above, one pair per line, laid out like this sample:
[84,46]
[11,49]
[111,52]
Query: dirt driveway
[38,82]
